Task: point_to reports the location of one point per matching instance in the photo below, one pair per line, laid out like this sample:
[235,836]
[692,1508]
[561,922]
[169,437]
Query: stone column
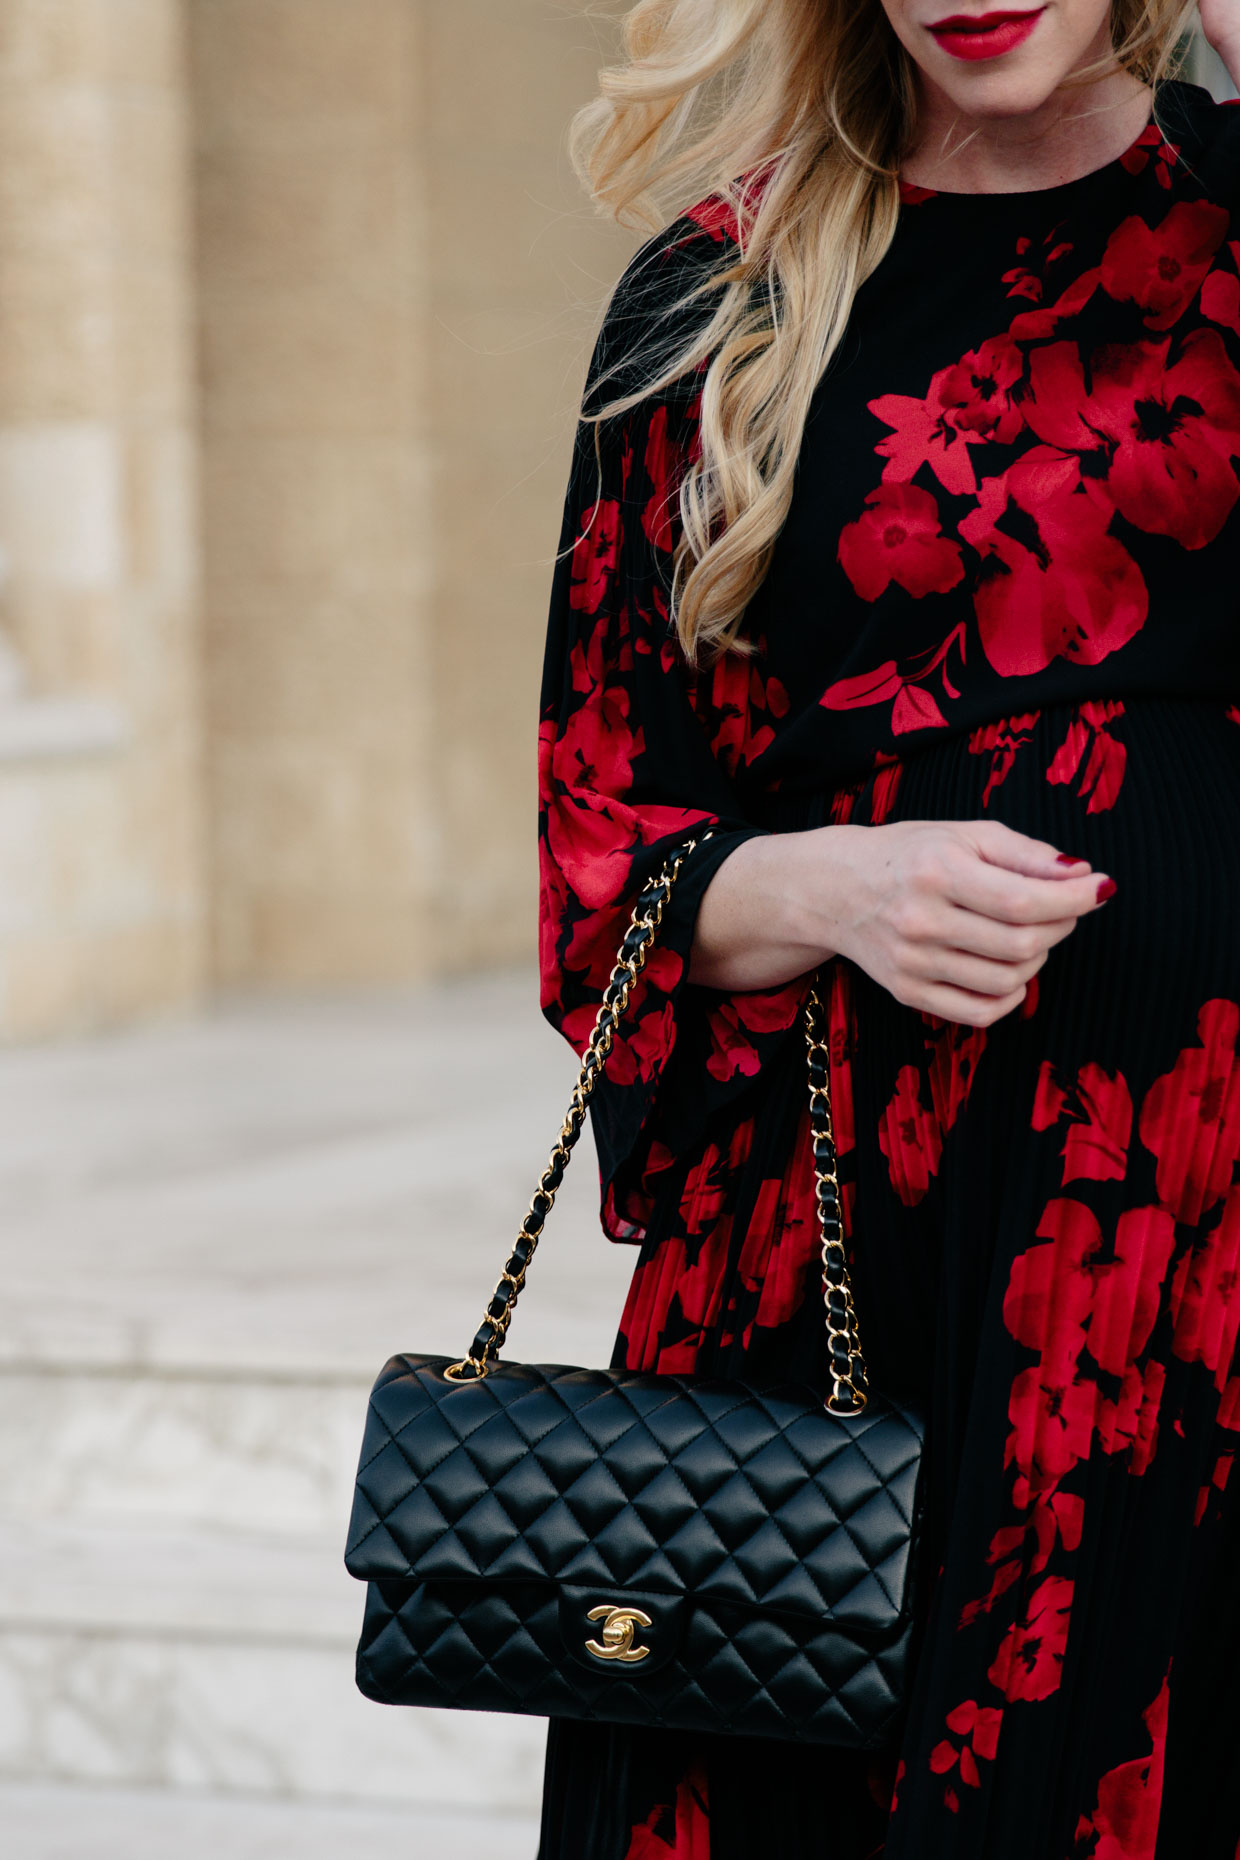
[101,910]
[312,208]
[397,284]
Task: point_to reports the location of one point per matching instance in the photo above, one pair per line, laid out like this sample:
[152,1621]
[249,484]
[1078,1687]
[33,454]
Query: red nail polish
[1107,888]
[1067,859]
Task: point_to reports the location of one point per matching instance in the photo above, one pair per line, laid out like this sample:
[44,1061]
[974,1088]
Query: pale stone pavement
[212,1235]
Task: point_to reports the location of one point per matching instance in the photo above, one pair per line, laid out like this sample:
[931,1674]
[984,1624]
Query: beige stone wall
[100,868]
[296,297]
[396,278]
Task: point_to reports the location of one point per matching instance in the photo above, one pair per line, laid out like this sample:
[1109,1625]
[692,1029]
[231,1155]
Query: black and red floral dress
[1008,588]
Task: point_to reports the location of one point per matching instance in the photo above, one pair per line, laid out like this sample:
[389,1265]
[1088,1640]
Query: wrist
[821,890]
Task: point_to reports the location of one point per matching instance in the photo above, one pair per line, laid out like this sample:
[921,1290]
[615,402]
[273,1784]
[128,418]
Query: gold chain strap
[850,1390]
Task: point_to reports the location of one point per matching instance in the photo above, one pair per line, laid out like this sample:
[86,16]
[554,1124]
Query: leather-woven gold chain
[850,1389]
[630,961]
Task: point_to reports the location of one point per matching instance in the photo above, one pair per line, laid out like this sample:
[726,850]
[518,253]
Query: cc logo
[619,1629]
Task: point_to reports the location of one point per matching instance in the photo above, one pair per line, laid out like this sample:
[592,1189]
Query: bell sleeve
[627,771]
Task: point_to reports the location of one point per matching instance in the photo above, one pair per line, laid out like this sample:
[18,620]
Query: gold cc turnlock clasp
[620,1626]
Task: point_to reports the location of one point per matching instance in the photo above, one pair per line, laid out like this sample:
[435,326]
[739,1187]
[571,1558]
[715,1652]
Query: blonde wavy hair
[818,98]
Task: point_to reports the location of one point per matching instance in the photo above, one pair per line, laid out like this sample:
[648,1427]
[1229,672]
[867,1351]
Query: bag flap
[609,1480]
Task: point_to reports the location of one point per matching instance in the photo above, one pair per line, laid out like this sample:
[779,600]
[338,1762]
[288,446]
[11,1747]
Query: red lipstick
[985,35]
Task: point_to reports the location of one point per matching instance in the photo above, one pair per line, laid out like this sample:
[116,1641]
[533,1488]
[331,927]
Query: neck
[1070,134]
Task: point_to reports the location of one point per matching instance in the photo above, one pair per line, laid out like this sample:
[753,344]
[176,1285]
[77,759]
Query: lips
[985,35]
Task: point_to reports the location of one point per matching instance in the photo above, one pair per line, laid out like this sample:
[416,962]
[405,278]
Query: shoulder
[1205,135]
[667,293]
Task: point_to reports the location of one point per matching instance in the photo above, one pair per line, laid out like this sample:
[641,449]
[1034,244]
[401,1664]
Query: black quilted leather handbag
[651,1550]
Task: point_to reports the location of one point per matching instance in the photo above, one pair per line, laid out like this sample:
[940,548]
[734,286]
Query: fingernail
[1107,888]
[1068,859]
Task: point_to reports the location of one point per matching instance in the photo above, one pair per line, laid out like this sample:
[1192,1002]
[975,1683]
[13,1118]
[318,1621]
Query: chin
[1000,94]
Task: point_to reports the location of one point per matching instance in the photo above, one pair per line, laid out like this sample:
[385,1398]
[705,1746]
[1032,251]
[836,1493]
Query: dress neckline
[1151,138]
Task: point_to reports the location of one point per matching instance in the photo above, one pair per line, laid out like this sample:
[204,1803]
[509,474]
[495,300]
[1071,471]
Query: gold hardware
[849,1386]
[619,1629]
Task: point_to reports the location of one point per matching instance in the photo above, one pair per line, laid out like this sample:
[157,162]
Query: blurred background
[295,302]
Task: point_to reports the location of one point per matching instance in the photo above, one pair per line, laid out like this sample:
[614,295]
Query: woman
[901,550]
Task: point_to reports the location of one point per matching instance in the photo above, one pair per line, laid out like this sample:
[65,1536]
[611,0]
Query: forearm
[754,929]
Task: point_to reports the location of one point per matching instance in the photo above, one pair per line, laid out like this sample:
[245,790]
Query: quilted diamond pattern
[489,1516]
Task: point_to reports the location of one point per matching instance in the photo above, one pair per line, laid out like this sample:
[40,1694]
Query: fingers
[1012,898]
[974,975]
[999,942]
[1016,852]
[969,1009]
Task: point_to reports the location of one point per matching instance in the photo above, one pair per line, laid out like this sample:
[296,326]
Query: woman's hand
[952,917]
[1220,26]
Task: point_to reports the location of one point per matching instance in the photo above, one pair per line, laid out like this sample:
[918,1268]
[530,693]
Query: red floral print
[1155,437]
[1220,294]
[911,1135]
[968,403]
[742,709]
[1124,1826]
[1190,1118]
[979,1727]
[1029,1663]
[679,1831]
[664,468]
[910,1138]
[1001,741]
[899,539]
[595,555]
[732,1021]
[1160,268]
[1152,144]
[1053,582]
[1098,1110]
[914,707]
[1101,771]
[1062,1297]
[1205,1296]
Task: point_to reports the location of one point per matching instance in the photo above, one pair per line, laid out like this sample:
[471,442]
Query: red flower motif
[968,403]
[595,556]
[1052,583]
[1160,268]
[1132,1420]
[1059,1297]
[1102,775]
[1029,1662]
[913,709]
[1099,1110]
[898,539]
[1191,1116]
[663,468]
[740,708]
[979,1727]
[780,1255]
[733,1020]
[1037,325]
[677,1830]
[1205,1296]
[1160,438]
[910,1135]
[1051,1409]
[910,1138]
[1152,142]
[1001,741]
[1124,1826]
[1220,295]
